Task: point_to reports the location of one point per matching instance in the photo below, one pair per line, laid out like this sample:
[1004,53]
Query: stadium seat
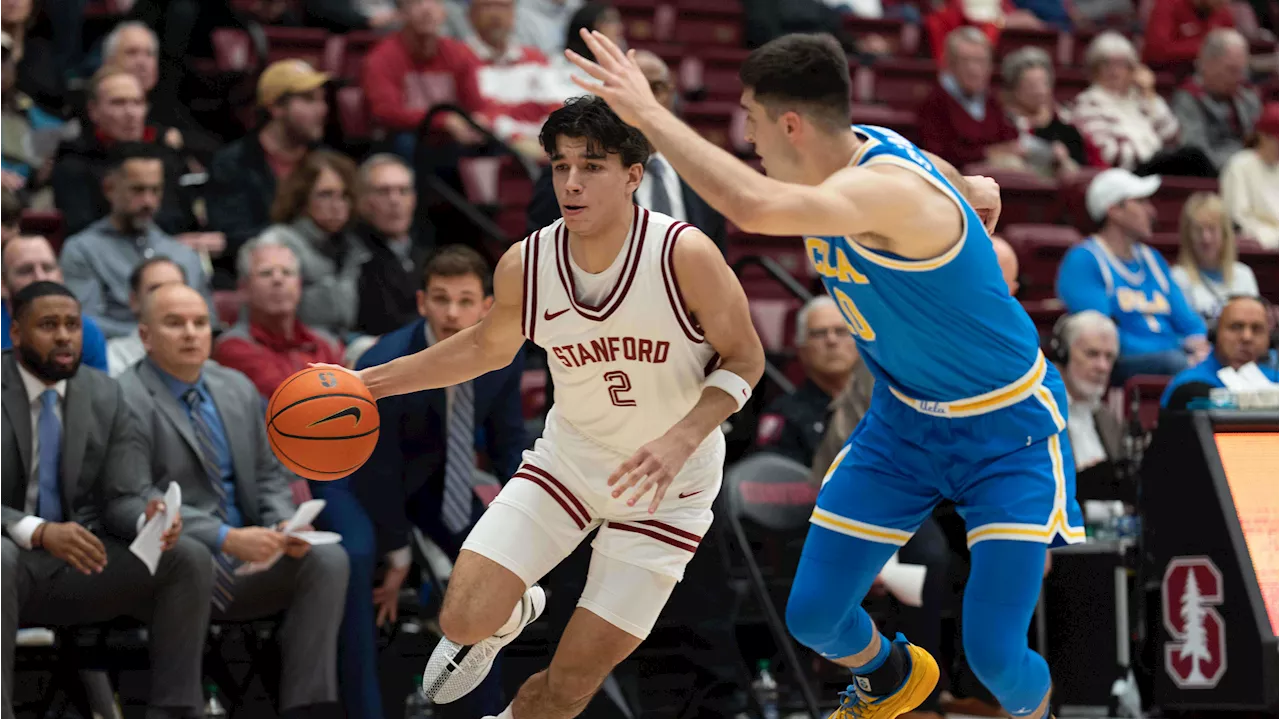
[1025,197]
[47,223]
[1044,313]
[228,304]
[904,121]
[1173,194]
[709,22]
[1040,248]
[903,37]
[1148,389]
[1059,45]
[356,45]
[901,82]
[533,392]
[232,50]
[353,115]
[711,119]
[771,318]
[303,43]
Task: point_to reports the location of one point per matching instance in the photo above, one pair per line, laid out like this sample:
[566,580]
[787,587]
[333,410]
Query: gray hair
[802,317]
[1021,60]
[963,34]
[112,41]
[1218,41]
[1108,45]
[381,159]
[1086,322]
[244,258]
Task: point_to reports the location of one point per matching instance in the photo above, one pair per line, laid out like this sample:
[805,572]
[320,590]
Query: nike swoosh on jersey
[547,315]
[686,495]
[348,412]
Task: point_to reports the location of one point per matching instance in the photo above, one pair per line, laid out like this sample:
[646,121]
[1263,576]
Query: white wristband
[731,384]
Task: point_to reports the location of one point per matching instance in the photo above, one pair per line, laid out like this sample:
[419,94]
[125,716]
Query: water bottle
[213,708]
[766,690]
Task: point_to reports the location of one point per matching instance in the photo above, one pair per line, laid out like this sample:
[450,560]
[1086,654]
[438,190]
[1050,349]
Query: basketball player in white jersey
[651,347]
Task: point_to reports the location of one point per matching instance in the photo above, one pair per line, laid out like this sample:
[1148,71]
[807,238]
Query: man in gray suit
[75,491]
[205,430]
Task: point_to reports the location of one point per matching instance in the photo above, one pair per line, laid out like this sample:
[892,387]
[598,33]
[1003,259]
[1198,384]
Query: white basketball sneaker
[454,670]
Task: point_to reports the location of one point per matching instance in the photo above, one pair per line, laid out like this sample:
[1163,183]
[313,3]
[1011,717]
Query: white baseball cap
[1113,186]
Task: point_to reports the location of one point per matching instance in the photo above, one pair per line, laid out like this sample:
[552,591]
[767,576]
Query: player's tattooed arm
[474,351]
[713,295]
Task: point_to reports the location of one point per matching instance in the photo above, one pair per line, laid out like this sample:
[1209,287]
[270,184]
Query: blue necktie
[224,565]
[460,459]
[50,429]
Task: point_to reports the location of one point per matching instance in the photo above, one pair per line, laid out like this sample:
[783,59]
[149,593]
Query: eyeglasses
[818,333]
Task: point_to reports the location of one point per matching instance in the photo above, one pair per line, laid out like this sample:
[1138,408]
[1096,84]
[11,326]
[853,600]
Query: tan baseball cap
[288,76]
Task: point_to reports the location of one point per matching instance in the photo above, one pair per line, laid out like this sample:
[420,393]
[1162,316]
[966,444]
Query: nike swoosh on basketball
[348,412]
[686,495]
[548,315]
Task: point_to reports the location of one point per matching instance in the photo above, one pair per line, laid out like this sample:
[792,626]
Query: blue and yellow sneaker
[921,677]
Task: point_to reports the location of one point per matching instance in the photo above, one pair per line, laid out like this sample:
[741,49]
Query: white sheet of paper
[904,581]
[149,544]
[315,538]
[306,514]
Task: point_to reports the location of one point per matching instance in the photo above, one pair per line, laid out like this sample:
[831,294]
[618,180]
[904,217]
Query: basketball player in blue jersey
[965,406]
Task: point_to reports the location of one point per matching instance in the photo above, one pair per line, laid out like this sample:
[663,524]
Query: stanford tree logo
[1195,656]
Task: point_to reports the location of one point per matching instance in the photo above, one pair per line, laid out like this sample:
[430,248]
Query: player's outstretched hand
[622,84]
[653,466]
[984,196]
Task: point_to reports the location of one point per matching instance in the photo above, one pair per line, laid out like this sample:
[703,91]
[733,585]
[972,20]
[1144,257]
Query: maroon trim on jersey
[529,292]
[541,482]
[673,530]
[686,321]
[547,476]
[711,365]
[635,243]
[657,535]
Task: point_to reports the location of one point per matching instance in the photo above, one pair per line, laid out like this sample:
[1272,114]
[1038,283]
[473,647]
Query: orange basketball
[322,423]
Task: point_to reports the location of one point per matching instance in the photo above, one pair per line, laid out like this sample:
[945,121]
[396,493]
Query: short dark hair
[135,277]
[808,73]
[458,261]
[123,152]
[34,291]
[592,118]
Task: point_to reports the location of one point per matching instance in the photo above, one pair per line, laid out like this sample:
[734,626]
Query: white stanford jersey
[627,370]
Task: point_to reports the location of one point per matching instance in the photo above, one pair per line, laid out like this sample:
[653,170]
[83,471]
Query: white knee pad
[627,596]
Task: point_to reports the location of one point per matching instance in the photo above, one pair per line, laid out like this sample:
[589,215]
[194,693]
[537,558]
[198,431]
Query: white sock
[512,623]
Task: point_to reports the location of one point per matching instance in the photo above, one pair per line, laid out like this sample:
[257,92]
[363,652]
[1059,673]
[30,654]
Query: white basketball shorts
[559,495]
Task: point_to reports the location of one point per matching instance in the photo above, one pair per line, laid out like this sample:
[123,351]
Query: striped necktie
[460,459]
[224,565]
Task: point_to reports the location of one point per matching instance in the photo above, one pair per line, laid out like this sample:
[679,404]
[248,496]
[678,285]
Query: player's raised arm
[474,351]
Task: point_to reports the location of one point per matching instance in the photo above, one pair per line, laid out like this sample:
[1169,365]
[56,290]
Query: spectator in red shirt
[271,343]
[961,120]
[1176,29]
[408,73]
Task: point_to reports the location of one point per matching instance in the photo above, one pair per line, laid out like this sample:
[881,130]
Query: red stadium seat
[1148,388]
[903,37]
[1040,248]
[1059,45]
[1173,194]
[533,392]
[902,82]
[47,223]
[1025,197]
[711,119]
[355,46]
[303,43]
[228,303]
[771,317]
[232,50]
[1045,313]
[904,121]
[353,115]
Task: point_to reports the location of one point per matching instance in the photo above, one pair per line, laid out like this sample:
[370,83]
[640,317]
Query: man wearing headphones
[1084,346]
[1240,339]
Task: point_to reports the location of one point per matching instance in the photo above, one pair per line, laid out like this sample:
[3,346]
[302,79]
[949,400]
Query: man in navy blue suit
[427,440]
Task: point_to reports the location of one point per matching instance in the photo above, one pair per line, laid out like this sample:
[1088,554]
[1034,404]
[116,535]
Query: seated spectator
[1126,119]
[512,79]
[1207,270]
[1085,346]
[30,134]
[988,17]
[30,259]
[117,111]
[76,489]
[793,424]
[10,216]
[271,343]
[411,71]
[1117,274]
[1242,336]
[204,429]
[542,24]
[1176,29]
[661,189]
[961,121]
[244,174]
[1008,260]
[385,202]
[312,212]
[415,466]
[99,260]
[152,274]
[1251,182]
[1214,107]
[1051,146]
[134,47]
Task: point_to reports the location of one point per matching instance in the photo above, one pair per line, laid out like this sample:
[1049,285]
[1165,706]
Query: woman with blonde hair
[312,212]
[1207,270]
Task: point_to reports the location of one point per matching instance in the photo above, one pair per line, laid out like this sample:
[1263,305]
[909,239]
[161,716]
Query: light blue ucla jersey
[942,332]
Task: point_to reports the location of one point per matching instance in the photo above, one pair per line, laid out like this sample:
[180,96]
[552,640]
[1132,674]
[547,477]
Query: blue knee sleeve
[999,602]
[825,611]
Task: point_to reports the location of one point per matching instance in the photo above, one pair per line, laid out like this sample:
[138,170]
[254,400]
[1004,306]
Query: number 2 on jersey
[619,384]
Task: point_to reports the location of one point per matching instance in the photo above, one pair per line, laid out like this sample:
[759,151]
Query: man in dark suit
[417,475]
[75,491]
[205,430]
[661,189]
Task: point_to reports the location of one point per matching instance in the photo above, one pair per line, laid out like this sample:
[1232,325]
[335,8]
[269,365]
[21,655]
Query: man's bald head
[659,76]
[1008,260]
[153,304]
[174,327]
[1243,331]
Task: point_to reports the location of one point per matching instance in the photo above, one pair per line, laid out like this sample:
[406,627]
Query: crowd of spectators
[200,263]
